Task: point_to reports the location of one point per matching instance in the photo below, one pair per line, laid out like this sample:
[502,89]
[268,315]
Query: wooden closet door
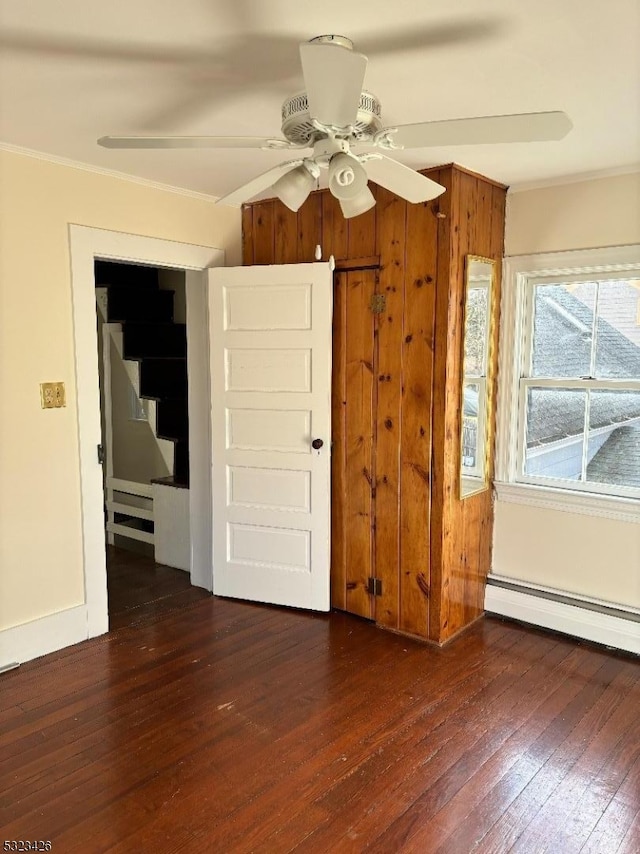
[353,431]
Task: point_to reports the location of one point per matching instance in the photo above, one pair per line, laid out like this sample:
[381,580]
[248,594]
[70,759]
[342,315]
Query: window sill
[608,506]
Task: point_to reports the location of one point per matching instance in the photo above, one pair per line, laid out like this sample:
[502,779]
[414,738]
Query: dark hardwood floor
[231,727]
[141,590]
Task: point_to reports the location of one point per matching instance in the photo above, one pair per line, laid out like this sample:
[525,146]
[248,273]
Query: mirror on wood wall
[474,438]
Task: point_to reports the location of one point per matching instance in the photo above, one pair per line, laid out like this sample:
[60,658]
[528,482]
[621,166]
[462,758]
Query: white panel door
[271,398]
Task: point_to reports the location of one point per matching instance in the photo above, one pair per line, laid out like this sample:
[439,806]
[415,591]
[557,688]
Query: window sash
[529,312]
[595,487]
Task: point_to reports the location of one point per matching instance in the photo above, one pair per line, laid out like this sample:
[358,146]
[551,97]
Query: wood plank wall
[432,551]
[462,531]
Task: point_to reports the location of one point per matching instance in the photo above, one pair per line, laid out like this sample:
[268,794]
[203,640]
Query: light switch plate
[52,395]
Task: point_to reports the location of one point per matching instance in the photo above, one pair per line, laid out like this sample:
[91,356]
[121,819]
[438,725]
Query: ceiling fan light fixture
[294,187]
[347,177]
[360,204]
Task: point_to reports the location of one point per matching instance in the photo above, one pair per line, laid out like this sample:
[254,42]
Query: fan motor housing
[298,128]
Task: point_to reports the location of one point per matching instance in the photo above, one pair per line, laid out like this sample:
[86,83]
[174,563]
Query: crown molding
[109,173]
[578,178]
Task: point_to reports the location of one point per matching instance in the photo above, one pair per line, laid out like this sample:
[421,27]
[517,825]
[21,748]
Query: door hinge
[377,303]
[374,586]
[101,454]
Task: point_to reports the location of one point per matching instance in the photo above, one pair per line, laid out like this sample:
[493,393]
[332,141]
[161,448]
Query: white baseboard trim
[576,620]
[45,635]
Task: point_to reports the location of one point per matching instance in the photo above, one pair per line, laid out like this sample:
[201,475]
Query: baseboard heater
[606,623]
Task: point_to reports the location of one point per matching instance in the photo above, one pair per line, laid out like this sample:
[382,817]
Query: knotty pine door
[353,425]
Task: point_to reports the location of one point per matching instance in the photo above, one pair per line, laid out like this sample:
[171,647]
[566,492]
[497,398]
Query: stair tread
[156,323]
[170,481]
[147,358]
[164,398]
[166,358]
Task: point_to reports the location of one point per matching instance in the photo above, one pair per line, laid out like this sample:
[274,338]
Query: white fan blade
[258,184]
[403,181]
[333,78]
[193,142]
[522,127]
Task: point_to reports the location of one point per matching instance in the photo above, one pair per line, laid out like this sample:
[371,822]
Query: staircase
[158,345]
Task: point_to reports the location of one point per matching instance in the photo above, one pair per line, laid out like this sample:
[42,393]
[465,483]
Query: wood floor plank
[561,773]
[470,746]
[631,842]
[234,727]
[513,768]
[611,828]
[551,761]
[360,801]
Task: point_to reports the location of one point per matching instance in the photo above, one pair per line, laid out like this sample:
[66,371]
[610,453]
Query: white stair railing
[129,528]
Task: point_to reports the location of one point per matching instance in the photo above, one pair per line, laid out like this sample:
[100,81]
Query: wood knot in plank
[422,584]
[422,473]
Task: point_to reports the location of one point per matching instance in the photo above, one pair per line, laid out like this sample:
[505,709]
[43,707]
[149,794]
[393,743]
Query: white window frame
[520,274]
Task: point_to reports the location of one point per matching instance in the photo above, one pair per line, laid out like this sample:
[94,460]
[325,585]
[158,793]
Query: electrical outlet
[52,395]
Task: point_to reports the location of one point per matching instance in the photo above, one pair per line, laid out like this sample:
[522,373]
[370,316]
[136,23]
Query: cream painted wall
[586,555]
[41,569]
[582,215]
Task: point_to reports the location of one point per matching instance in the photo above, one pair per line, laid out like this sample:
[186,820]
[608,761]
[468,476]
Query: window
[570,398]
[476,358]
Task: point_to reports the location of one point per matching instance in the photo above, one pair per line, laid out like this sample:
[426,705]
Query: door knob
[317,444]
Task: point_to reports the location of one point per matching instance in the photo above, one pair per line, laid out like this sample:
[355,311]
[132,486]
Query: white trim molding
[87,244]
[583,503]
[600,622]
[44,635]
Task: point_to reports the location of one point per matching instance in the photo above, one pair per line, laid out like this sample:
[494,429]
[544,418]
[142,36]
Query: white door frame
[87,244]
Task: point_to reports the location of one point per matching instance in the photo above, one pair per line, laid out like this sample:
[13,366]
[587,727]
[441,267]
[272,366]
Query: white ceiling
[74,70]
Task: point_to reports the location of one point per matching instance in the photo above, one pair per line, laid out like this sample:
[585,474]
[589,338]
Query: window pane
[476,330]
[614,438]
[470,448]
[562,331]
[618,339]
[555,432]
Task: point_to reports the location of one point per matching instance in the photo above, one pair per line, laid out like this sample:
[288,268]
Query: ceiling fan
[342,124]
